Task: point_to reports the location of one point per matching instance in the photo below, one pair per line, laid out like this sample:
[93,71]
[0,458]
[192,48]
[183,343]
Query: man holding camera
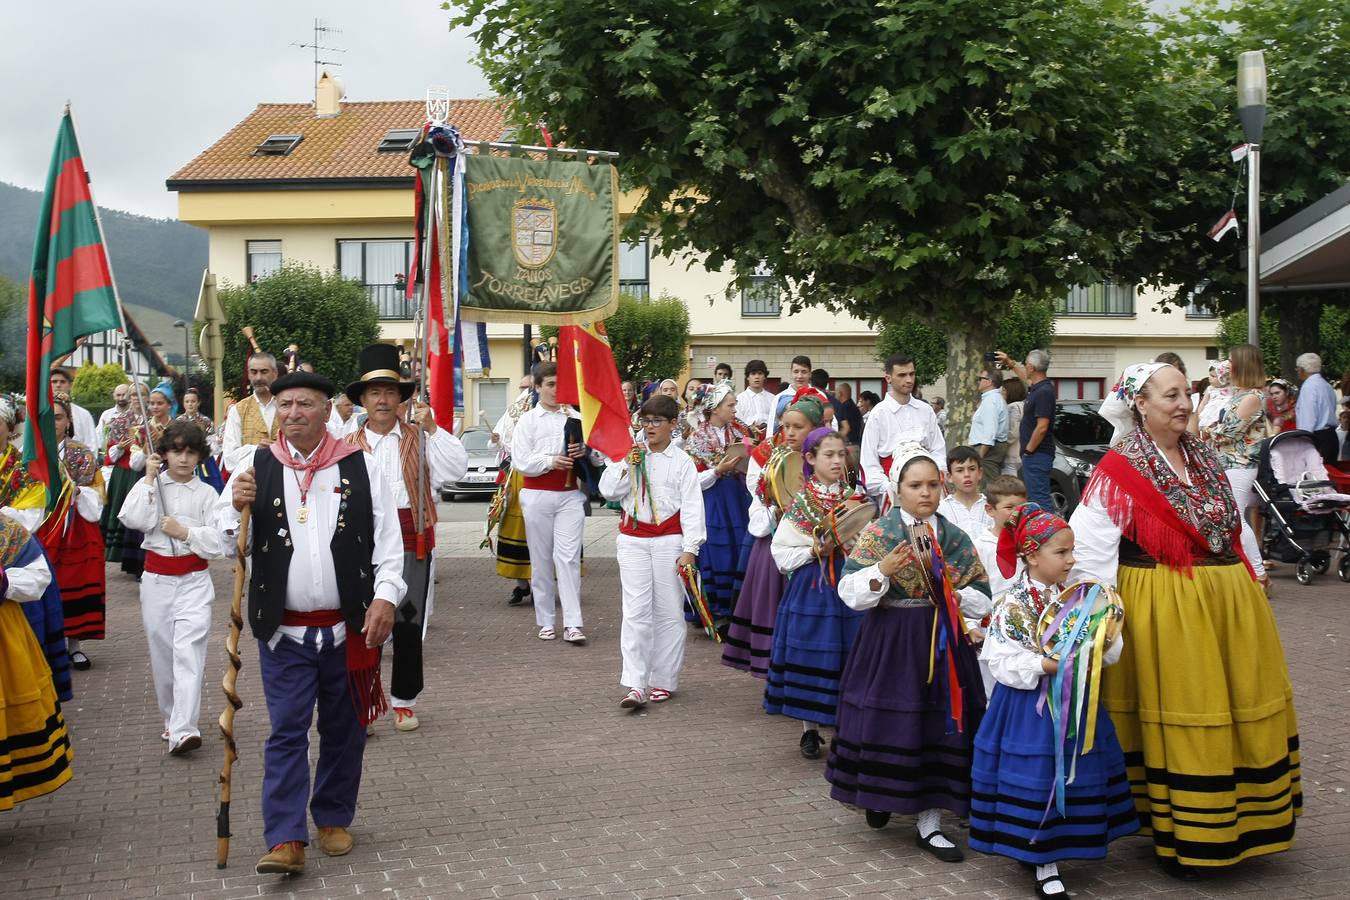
[989,427]
[1038,413]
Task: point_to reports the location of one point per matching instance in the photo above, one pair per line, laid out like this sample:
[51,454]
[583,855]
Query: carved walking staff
[232,701]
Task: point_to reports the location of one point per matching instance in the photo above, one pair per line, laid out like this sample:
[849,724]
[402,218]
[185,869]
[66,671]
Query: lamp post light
[187,346]
[1251,103]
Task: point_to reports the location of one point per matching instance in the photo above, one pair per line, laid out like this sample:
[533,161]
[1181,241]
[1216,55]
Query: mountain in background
[157,263]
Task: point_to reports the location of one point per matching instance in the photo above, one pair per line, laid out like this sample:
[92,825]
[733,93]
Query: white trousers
[555,522]
[176,612]
[1242,482]
[653,631]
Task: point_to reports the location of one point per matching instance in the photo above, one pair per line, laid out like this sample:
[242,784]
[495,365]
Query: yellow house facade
[330,186]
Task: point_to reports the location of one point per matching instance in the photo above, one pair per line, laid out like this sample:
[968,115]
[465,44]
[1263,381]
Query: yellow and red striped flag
[589,380]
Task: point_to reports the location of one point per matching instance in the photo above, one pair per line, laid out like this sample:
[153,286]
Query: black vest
[352,544]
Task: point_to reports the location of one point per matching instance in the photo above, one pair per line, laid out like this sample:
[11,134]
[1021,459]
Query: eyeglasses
[981,378]
[652,422]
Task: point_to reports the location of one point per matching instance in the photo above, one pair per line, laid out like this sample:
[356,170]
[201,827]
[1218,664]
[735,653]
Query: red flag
[440,359]
[70,295]
[589,380]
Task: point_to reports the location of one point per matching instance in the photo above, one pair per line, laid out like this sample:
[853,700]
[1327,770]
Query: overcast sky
[152,84]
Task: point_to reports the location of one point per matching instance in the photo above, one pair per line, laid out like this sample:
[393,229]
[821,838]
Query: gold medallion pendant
[302,515]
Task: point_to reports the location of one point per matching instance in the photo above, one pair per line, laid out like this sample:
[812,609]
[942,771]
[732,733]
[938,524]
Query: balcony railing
[391,301]
[1097,300]
[1196,311]
[760,299]
[639,289]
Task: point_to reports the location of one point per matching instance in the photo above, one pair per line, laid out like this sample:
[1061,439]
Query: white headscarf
[714,394]
[1118,405]
[7,412]
[903,455]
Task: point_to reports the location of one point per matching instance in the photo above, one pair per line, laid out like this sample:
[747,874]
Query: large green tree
[650,338]
[907,158]
[1305,148]
[331,318]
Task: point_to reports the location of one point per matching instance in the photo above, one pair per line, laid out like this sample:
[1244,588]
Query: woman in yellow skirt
[1201,698]
[513,556]
[35,752]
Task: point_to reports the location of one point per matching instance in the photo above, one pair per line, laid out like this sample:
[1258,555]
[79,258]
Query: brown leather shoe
[335,841]
[284,859]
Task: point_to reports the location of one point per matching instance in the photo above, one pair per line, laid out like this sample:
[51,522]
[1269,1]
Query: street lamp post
[1251,102]
[187,347]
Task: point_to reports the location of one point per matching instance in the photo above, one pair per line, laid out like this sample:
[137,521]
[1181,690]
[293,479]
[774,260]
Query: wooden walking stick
[232,701]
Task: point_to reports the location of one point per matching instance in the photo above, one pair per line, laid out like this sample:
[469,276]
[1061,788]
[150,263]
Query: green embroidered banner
[543,240]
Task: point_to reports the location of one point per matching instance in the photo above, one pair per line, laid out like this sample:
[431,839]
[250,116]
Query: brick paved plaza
[526,780]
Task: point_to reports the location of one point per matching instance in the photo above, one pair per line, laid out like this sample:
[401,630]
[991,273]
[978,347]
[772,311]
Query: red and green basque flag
[70,295]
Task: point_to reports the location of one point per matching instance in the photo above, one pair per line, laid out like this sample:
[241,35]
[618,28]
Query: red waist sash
[633,528]
[552,480]
[173,565]
[405,521]
[314,618]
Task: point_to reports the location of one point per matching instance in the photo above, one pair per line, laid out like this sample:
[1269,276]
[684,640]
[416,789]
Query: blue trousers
[1036,473]
[296,676]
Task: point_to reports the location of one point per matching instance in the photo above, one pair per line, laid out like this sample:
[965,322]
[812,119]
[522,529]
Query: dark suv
[1082,437]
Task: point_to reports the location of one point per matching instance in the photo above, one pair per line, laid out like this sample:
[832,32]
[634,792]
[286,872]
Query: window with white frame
[635,268]
[491,400]
[382,266]
[264,258]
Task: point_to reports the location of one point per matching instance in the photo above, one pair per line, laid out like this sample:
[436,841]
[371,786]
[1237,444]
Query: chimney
[328,96]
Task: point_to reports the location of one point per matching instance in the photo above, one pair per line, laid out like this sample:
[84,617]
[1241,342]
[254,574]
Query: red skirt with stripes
[78,564]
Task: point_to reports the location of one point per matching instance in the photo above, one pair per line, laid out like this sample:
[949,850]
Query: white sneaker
[573,636]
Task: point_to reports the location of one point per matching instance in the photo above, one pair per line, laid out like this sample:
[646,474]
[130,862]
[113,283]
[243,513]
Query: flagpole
[122,316]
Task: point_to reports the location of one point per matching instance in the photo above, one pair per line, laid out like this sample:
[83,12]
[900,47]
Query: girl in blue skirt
[814,630]
[726,502]
[749,638]
[1015,769]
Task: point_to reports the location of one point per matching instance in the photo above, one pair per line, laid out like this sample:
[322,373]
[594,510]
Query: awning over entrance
[1311,249]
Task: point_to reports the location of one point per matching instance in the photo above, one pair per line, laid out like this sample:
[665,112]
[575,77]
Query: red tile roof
[339,148]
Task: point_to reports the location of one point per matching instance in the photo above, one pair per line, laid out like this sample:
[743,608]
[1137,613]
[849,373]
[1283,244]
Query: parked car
[1082,438]
[481,478]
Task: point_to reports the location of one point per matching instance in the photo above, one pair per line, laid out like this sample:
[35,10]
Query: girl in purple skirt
[911,697]
[749,637]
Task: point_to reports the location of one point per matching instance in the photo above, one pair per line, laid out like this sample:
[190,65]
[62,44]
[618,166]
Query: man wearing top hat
[414,460]
[326,581]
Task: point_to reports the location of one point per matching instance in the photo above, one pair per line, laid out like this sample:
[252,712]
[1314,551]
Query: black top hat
[303,380]
[378,364]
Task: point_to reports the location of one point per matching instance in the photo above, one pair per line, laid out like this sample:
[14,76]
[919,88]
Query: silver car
[481,477]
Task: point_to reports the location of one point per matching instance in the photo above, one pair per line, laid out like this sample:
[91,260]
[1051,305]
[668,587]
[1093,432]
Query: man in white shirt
[85,432]
[252,422]
[554,510]
[325,583]
[121,401]
[898,419]
[415,477]
[755,405]
[801,377]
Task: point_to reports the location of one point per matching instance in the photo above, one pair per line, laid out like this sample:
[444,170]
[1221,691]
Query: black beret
[303,380]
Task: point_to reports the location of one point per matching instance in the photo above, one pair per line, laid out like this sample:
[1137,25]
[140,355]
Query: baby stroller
[1307,508]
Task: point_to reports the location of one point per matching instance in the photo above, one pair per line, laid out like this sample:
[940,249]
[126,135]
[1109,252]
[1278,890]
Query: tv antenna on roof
[322,30]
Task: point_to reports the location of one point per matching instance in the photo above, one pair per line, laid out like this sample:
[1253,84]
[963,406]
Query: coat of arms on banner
[542,240]
[534,232]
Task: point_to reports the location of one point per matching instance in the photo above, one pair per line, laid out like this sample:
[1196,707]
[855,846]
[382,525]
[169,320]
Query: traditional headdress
[378,364]
[165,390]
[809,406]
[1118,405]
[1223,370]
[7,411]
[903,456]
[812,440]
[712,395]
[1026,530]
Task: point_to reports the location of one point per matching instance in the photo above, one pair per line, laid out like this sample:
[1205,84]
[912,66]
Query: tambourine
[847,521]
[786,478]
[1060,622]
[736,450]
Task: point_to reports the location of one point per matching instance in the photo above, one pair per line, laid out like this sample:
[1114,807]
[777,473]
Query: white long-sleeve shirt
[447,460]
[193,503]
[538,438]
[974,520]
[756,407]
[891,424]
[27,583]
[234,453]
[856,590]
[311,582]
[763,519]
[1017,667]
[673,482]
